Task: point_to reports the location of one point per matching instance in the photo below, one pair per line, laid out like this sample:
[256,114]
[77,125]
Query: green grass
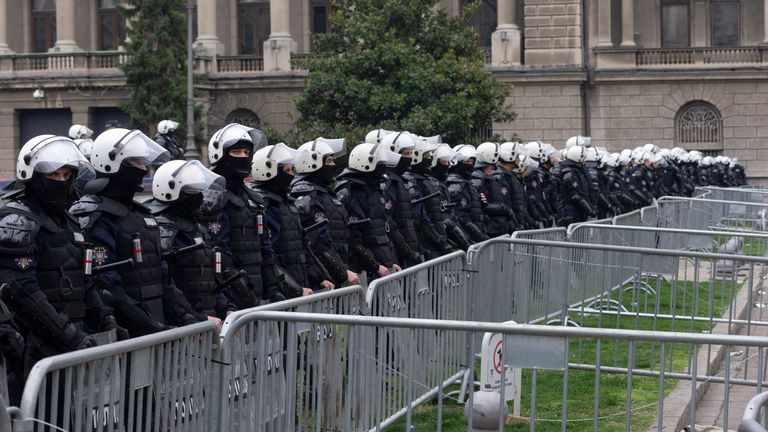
[612,387]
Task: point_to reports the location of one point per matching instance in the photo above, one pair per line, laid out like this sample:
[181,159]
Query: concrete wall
[552,32]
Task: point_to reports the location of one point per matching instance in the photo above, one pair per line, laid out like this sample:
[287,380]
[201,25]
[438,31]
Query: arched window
[699,122]
[245,117]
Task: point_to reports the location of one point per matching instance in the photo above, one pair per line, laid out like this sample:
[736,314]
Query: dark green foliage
[398,64]
[157,71]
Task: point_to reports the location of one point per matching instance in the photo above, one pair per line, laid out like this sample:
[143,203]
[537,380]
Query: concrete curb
[677,406]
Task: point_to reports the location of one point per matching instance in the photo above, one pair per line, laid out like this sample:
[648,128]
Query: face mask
[440,170]
[237,168]
[281,184]
[463,169]
[124,185]
[188,203]
[324,176]
[403,164]
[422,166]
[53,195]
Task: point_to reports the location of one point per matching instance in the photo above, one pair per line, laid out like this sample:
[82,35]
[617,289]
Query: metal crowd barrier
[704,213]
[758,196]
[750,421]
[364,379]
[151,383]
[243,395]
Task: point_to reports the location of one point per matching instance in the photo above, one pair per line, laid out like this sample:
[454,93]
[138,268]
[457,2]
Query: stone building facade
[689,73]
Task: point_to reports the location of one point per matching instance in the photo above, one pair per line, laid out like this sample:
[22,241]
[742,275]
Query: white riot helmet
[509,151]
[85,146]
[118,146]
[651,157]
[576,153]
[230,135]
[178,176]
[549,151]
[651,148]
[535,149]
[424,145]
[47,153]
[590,154]
[312,153]
[366,156]
[79,132]
[267,161]
[612,160]
[707,161]
[466,151]
[445,153]
[637,155]
[398,142]
[167,126]
[578,140]
[487,154]
[523,162]
[694,156]
[375,136]
[625,157]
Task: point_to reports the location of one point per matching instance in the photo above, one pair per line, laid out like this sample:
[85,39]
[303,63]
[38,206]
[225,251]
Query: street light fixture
[190,151]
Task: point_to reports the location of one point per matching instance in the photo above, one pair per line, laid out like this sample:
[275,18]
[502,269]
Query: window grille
[699,122]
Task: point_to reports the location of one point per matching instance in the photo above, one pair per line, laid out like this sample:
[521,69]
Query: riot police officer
[425,200]
[499,219]
[166,137]
[511,187]
[323,216]
[619,190]
[122,230]
[359,188]
[397,200]
[469,207]
[177,188]
[272,172]
[41,250]
[443,158]
[575,188]
[234,219]
[538,204]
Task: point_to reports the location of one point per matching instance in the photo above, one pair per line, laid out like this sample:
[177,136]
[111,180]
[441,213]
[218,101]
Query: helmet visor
[282,154]
[137,149]
[386,156]
[192,176]
[338,146]
[59,152]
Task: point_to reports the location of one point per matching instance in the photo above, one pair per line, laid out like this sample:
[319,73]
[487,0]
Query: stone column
[506,40]
[277,49]
[4,48]
[65,27]
[207,35]
[628,23]
[604,24]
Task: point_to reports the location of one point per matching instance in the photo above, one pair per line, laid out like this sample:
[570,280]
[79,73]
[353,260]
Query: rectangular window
[321,14]
[111,25]
[483,20]
[43,25]
[726,24]
[675,25]
[254,26]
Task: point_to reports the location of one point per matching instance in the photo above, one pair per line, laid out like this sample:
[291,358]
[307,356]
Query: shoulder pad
[455,188]
[17,233]
[302,187]
[568,176]
[303,204]
[167,236]
[256,196]
[476,182]
[214,202]
[156,207]
[342,192]
[86,204]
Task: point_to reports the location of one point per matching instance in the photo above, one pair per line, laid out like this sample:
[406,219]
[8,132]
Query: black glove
[75,339]
[276,296]
[11,343]
[110,323]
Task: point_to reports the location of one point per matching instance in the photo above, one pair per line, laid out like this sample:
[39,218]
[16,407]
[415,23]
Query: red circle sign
[497,357]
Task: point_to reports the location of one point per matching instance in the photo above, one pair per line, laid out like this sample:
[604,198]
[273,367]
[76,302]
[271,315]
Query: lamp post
[190,151]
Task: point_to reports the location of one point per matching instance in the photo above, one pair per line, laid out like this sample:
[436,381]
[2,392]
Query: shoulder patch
[100,255]
[23,263]
[213,227]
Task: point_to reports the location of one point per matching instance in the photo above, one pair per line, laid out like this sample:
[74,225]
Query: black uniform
[498,216]
[363,199]
[193,272]
[535,196]
[575,190]
[620,192]
[514,193]
[468,207]
[397,203]
[170,143]
[428,212]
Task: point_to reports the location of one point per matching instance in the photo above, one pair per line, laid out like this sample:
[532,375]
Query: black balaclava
[440,170]
[463,169]
[235,169]
[375,176]
[422,166]
[324,175]
[187,204]
[281,184]
[402,165]
[53,196]
[124,184]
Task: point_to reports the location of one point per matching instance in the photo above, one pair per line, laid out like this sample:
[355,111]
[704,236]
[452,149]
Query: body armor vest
[334,211]
[289,249]
[490,187]
[401,207]
[244,237]
[465,190]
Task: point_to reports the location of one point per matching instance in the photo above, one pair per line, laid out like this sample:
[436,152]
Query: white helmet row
[188,176]
[445,153]
[523,162]
[312,153]
[576,153]
[398,142]
[424,145]
[376,136]
[167,126]
[578,140]
[487,154]
[509,151]
[268,160]
[47,153]
[467,151]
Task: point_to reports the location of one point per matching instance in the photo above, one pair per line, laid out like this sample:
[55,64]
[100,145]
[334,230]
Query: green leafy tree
[157,70]
[400,64]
